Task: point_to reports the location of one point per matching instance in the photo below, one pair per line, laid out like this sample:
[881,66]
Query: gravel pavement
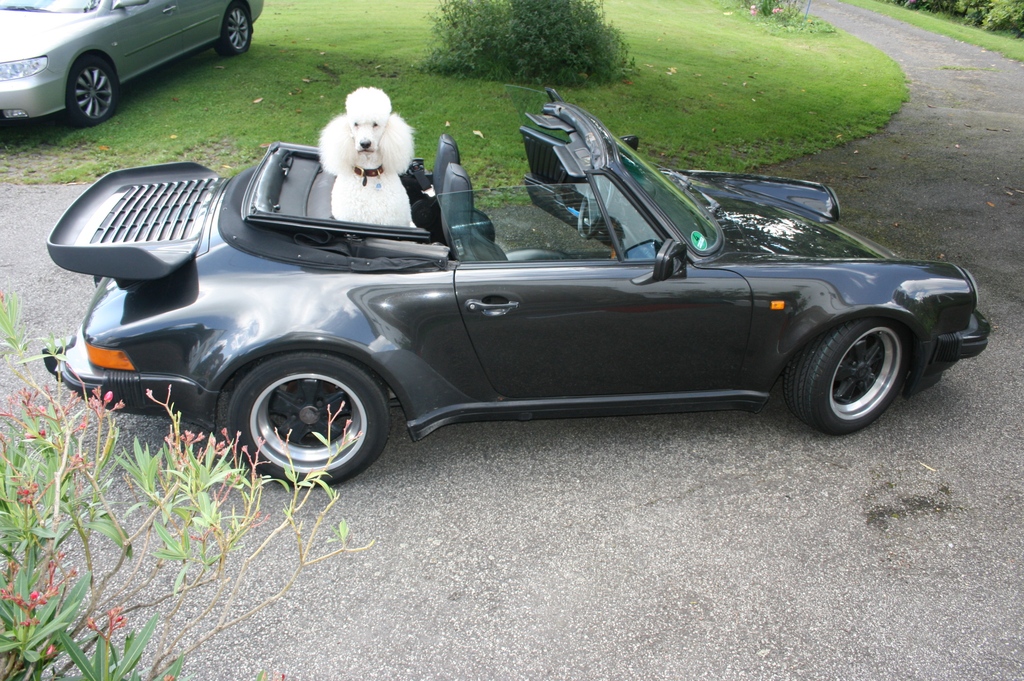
[700,546]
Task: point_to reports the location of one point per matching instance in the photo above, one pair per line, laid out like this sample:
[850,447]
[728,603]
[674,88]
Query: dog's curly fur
[368,136]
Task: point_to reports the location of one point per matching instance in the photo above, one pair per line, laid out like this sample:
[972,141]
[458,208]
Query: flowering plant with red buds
[180,508]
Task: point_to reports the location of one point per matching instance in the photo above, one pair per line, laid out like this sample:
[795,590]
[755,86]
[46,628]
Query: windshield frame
[667,202]
[673,203]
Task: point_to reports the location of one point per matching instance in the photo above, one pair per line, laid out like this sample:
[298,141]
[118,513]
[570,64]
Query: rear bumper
[138,392]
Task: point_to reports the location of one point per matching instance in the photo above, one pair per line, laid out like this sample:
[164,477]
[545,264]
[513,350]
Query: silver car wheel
[94,92]
[867,373]
[238,29]
[91,92]
[290,413]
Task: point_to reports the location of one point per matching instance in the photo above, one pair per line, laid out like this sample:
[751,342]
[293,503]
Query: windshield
[701,232]
[67,6]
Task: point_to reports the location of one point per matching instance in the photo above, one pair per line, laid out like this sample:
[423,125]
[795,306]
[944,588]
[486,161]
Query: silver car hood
[24,35]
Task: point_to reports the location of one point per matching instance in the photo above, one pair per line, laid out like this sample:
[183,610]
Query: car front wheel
[307,412]
[92,92]
[235,31]
[848,376]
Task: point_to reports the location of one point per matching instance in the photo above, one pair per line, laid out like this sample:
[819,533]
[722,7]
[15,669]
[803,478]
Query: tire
[848,376]
[92,92]
[235,31]
[278,408]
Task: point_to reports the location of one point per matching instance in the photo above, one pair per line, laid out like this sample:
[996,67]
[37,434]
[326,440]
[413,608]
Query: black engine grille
[154,212]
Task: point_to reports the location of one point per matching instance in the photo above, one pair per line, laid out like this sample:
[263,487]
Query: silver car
[74,54]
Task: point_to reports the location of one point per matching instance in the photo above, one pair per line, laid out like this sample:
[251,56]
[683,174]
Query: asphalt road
[702,546]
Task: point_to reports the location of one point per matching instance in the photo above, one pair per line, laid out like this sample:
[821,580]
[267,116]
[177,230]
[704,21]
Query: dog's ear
[396,145]
[337,147]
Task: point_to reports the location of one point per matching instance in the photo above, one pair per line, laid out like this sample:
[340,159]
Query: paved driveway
[703,546]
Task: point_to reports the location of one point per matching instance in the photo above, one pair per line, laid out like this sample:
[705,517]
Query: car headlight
[22,69]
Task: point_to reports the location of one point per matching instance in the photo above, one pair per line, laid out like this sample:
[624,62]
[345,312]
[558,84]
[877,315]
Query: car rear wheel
[293,411]
[848,376]
[235,31]
[92,92]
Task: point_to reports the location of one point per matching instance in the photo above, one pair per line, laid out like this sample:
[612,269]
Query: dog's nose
[365,144]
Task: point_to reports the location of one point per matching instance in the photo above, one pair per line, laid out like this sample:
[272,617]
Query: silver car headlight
[22,69]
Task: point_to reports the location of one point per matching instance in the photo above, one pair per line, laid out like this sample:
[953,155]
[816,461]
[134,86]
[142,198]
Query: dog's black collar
[368,172]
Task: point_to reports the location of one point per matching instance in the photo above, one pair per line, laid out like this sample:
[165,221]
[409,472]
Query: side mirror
[632,141]
[664,263]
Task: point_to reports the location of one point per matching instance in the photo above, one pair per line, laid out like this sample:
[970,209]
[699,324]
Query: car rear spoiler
[136,224]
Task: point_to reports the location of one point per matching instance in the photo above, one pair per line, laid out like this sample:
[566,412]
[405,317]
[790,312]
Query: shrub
[553,42]
[92,536]
[1006,15]
[974,11]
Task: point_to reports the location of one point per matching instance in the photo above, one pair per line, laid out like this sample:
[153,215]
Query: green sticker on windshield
[699,242]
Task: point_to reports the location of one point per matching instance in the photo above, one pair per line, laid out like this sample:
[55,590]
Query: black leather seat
[447,153]
[319,203]
[469,232]
[426,213]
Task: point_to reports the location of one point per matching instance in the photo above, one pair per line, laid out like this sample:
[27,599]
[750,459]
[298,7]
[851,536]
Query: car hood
[755,229]
[25,35]
[774,217]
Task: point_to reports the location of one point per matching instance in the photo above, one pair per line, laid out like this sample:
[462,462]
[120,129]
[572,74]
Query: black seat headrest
[447,153]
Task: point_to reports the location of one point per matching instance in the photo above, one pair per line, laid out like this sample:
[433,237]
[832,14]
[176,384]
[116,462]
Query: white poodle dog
[367,148]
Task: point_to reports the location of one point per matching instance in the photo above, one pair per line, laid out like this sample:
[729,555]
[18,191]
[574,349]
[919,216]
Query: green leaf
[179,580]
[108,529]
[78,656]
[174,550]
[135,644]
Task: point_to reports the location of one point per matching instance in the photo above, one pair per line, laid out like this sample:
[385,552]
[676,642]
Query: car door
[576,313]
[148,34]
[201,22]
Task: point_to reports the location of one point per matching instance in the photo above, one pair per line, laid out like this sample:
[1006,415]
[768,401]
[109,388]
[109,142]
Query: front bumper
[934,357]
[974,339]
[37,96]
[137,391]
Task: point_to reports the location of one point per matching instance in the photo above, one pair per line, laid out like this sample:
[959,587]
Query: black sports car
[602,285]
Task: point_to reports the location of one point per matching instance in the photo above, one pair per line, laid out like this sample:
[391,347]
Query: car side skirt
[605,405]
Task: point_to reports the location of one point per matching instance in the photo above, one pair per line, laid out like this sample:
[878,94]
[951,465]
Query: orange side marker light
[778,305]
[109,359]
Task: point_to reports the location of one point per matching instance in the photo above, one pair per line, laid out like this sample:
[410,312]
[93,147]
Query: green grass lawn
[710,89]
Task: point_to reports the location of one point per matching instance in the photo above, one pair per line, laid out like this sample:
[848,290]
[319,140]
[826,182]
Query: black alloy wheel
[848,376]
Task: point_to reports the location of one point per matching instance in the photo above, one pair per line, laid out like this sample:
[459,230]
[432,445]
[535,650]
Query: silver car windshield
[63,6]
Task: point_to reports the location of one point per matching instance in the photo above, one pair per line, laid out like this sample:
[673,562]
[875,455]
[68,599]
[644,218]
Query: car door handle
[490,309]
[169,9]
